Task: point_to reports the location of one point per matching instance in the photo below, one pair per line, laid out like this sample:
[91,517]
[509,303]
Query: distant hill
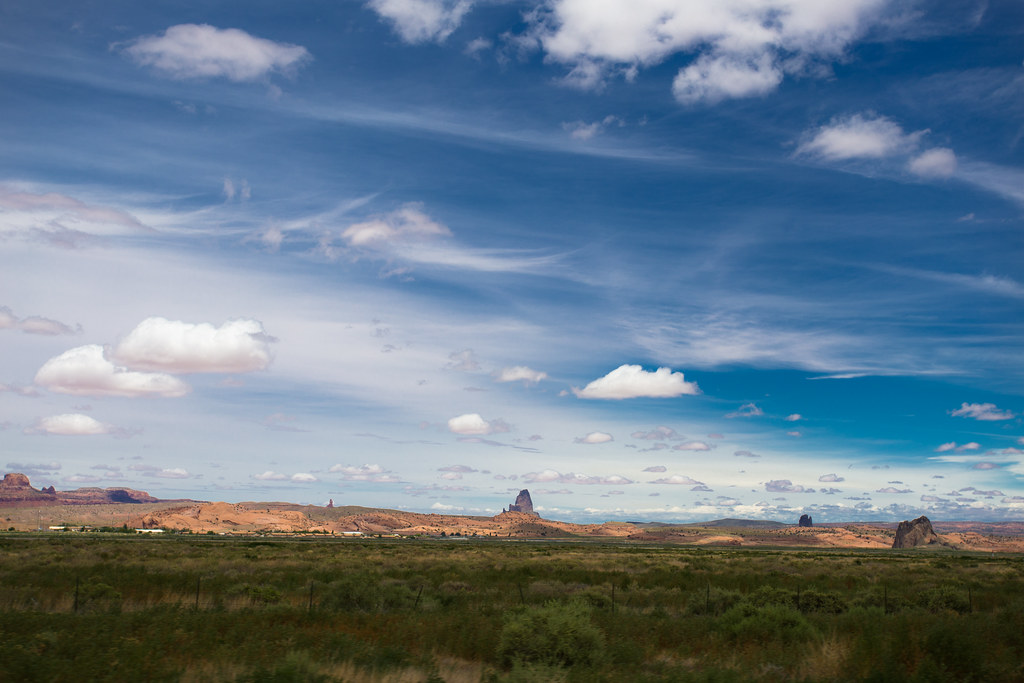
[719,523]
[17,491]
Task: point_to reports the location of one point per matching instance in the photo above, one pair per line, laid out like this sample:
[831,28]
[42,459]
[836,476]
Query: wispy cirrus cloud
[34,324]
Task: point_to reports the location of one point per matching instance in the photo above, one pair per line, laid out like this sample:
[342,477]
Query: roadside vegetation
[197,608]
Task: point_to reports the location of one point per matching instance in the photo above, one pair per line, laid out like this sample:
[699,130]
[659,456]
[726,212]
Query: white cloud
[795,417]
[204,51]
[595,438]
[580,130]
[830,478]
[693,446]
[303,478]
[939,162]
[173,473]
[368,473]
[713,79]
[893,490]
[32,324]
[743,48]
[860,136]
[421,21]
[71,424]
[745,410]
[959,448]
[61,218]
[546,476]
[632,381]
[986,412]
[85,371]
[677,479]
[270,475]
[403,226]
[461,469]
[660,433]
[159,344]
[656,468]
[472,424]
[783,486]
[520,373]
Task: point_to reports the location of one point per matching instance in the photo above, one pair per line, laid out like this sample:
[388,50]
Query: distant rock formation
[523,504]
[330,503]
[805,520]
[914,533]
[16,491]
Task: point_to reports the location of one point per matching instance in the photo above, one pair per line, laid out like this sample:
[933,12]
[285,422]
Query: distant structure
[330,503]
[523,504]
[805,520]
[914,533]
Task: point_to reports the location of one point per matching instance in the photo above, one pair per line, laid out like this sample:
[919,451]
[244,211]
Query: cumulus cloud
[546,476]
[745,410]
[658,434]
[712,79]
[422,21]
[594,438]
[692,446]
[939,162]
[85,371]
[860,136]
[461,469]
[173,473]
[893,489]
[204,51]
[795,417]
[958,448]
[158,344]
[743,49]
[655,468]
[368,473]
[632,381]
[830,478]
[679,480]
[580,130]
[784,486]
[33,324]
[472,424]
[520,373]
[71,424]
[31,469]
[986,412]
[270,475]
[303,478]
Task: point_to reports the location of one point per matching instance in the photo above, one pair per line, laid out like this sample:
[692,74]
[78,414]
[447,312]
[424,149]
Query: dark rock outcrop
[805,520]
[523,504]
[914,533]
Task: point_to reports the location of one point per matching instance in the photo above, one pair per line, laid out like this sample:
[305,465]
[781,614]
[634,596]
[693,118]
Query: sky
[657,260]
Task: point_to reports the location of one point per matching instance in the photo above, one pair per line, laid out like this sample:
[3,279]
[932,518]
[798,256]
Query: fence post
[76,595]
[310,609]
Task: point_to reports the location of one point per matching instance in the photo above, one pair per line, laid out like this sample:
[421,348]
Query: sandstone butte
[25,508]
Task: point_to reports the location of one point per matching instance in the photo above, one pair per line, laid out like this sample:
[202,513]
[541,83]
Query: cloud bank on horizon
[656,259]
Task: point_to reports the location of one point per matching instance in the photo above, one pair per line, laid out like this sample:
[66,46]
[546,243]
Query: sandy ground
[246,518]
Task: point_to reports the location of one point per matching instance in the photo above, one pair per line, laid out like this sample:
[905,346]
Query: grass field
[187,608]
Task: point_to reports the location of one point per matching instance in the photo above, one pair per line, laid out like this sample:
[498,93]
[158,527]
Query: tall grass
[186,608]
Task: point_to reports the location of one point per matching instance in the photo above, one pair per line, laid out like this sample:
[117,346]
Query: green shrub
[555,634]
[946,598]
[748,623]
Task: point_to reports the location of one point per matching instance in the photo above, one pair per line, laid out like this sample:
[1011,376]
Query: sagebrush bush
[555,634]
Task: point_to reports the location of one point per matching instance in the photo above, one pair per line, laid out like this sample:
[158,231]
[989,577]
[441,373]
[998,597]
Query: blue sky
[654,260]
